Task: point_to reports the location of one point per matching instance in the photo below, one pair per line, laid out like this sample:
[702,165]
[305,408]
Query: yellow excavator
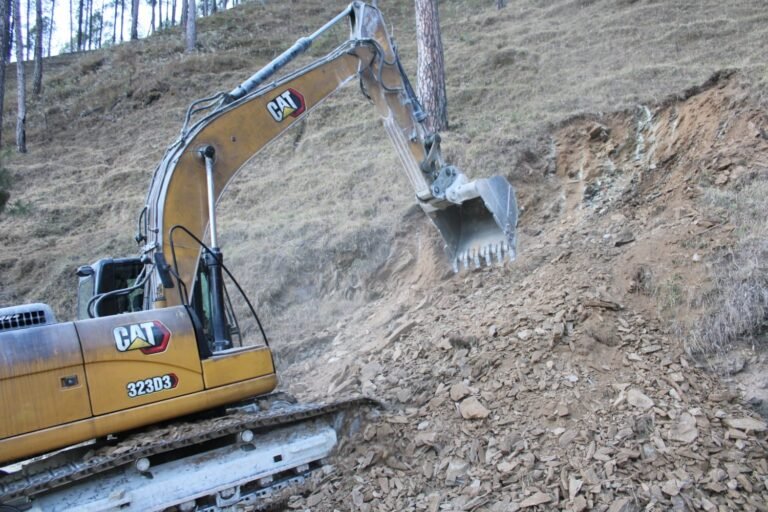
[152,399]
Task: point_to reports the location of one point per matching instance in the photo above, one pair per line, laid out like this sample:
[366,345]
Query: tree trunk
[71,26]
[122,19]
[431,69]
[5,14]
[152,19]
[21,94]
[114,23]
[501,3]
[101,25]
[183,18]
[191,28]
[80,25]
[214,7]
[134,19]
[173,13]
[8,35]
[89,24]
[37,82]
[51,26]
[160,14]
[28,44]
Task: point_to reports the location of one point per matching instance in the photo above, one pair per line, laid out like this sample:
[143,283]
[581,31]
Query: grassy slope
[312,217]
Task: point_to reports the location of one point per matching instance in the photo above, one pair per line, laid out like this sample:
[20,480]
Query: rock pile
[555,406]
[554,384]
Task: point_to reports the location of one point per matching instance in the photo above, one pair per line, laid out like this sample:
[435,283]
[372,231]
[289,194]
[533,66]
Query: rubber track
[172,437]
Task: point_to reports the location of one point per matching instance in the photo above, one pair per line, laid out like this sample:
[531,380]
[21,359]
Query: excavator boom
[477,220]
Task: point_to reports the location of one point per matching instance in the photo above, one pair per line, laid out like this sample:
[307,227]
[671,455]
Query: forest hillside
[618,364]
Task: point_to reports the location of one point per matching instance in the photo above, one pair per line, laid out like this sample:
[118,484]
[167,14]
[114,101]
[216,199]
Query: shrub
[737,305]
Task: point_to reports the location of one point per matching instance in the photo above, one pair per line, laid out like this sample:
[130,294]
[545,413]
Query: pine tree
[51,26]
[152,20]
[28,44]
[122,19]
[115,4]
[134,19]
[80,25]
[191,28]
[71,26]
[21,94]
[89,24]
[5,21]
[431,69]
[37,81]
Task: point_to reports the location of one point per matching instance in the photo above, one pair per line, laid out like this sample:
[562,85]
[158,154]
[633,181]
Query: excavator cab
[112,286]
[109,287]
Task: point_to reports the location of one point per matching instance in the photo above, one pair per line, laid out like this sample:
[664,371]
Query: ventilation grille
[22,317]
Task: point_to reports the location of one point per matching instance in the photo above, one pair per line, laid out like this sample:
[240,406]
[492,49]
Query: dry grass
[736,308]
[289,220]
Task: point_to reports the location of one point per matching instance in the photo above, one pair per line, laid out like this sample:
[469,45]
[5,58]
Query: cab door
[135,359]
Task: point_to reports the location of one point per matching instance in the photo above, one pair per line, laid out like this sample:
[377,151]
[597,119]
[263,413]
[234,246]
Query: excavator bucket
[482,227]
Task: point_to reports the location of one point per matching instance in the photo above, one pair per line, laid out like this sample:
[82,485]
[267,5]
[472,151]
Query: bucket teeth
[478,222]
[483,256]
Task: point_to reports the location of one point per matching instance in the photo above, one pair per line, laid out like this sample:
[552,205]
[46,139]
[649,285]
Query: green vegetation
[20,208]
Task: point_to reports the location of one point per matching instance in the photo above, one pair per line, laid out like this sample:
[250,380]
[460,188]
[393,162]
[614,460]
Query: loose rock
[537,499]
[636,398]
[472,409]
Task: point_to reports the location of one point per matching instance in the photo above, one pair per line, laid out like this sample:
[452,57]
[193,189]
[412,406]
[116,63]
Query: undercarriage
[251,458]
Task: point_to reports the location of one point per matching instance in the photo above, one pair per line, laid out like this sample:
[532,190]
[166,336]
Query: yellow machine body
[66,383]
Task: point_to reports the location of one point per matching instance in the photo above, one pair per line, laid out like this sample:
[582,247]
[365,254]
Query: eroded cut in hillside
[561,382]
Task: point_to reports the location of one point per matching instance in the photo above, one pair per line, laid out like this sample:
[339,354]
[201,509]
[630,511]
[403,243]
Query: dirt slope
[557,383]
[597,394]
[312,218]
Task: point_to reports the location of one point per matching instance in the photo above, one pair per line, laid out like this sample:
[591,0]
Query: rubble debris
[556,383]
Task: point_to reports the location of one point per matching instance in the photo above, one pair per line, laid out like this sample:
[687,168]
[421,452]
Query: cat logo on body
[287,103]
[149,337]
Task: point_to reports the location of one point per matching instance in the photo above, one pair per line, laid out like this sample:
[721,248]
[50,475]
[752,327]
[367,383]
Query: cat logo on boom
[149,337]
[287,103]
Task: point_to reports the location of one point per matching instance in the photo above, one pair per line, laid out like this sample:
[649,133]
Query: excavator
[152,399]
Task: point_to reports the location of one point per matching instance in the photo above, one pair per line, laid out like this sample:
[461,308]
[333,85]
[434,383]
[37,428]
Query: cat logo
[288,103]
[149,337]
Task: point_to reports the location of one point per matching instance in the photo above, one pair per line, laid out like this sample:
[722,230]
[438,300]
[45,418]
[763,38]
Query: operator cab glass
[105,276]
[202,298]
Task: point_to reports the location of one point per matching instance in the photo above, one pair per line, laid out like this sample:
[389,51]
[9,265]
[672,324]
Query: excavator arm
[476,219]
